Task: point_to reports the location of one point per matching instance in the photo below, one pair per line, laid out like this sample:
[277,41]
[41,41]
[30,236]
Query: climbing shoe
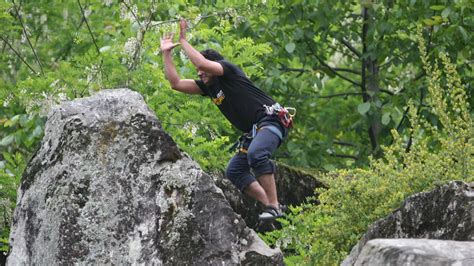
[270,214]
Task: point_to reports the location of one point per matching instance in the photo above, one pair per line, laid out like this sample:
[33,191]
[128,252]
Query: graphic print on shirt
[220,97]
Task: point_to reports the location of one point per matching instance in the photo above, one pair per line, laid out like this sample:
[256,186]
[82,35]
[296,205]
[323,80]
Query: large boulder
[416,252]
[109,186]
[445,213]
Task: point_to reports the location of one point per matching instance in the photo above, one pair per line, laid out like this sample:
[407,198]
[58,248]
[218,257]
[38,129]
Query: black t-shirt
[237,97]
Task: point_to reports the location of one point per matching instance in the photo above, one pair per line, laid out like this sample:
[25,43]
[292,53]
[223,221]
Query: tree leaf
[7,140]
[386,118]
[329,167]
[437,7]
[37,132]
[319,84]
[463,33]
[8,157]
[366,3]
[429,22]
[13,121]
[290,47]
[446,12]
[363,108]
[104,48]
[328,72]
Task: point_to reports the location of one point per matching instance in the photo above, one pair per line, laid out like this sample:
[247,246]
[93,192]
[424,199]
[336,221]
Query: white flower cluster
[92,72]
[394,90]
[65,14]
[23,39]
[129,49]
[197,19]
[44,102]
[7,100]
[183,56]
[125,13]
[6,217]
[108,3]
[130,46]
[238,20]
[87,12]
[43,18]
[232,13]
[191,127]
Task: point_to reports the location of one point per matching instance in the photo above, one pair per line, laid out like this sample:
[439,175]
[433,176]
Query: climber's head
[212,55]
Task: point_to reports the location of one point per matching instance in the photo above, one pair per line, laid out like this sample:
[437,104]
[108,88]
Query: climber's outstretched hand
[167,43]
[183,26]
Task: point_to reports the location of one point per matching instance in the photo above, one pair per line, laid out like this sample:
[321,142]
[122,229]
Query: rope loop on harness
[285,114]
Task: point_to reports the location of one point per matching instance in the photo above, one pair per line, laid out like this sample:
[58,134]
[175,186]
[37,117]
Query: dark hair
[212,55]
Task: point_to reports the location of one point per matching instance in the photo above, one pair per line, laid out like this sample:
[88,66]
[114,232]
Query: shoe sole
[269,219]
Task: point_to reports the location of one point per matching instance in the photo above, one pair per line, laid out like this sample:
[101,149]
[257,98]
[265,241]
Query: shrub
[431,153]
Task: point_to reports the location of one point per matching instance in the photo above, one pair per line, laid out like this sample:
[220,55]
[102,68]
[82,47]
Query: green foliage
[429,155]
[11,168]
[307,54]
[19,136]
[336,57]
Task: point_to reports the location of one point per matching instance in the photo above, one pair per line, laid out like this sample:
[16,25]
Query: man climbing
[247,107]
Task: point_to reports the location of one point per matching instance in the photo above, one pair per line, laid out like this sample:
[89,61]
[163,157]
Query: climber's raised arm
[198,60]
[183,85]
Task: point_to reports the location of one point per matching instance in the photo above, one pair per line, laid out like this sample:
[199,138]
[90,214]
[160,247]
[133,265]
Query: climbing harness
[285,114]
[244,141]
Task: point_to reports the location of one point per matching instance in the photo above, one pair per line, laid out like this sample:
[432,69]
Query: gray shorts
[257,158]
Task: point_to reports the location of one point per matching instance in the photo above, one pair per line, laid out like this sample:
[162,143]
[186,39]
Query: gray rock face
[446,213]
[416,252]
[109,186]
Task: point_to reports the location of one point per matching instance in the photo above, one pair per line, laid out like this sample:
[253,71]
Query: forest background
[383,91]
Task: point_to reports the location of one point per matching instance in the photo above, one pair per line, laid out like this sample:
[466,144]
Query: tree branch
[347,70]
[364,51]
[322,62]
[218,14]
[67,48]
[141,38]
[343,143]
[289,69]
[131,11]
[327,66]
[405,51]
[88,27]
[342,94]
[417,77]
[342,51]
[18,54]
[4,47]
[405,114]
[387,92]
[102,72]
[26,35]
[350,47]
[346,156]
